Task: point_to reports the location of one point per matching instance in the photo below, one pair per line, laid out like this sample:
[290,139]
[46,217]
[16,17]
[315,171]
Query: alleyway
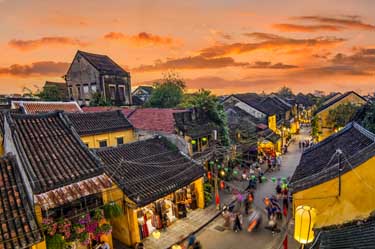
[213,238]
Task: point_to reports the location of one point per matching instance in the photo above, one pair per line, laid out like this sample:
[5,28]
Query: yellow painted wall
[39,219]
[272,124]
[323,115]
[93,140]
[1,146]
[124,228]
[200,192]
[357,200]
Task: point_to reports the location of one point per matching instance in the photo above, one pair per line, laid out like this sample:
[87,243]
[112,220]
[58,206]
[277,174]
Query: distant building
[143,93]
[32,107]
[90,73]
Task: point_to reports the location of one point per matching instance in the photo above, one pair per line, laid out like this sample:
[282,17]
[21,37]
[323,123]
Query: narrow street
[213,237]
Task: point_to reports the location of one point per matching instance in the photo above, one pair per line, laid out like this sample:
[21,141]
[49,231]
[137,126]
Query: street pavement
[214,237]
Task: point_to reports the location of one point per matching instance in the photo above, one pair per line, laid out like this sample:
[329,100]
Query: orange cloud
[286,27]
[269,65]
[192,62]
[142,38]
[45,41]
[40,68]
[348,22]
[269,42]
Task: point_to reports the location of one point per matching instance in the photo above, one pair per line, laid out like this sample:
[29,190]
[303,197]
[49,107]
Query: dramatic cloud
[269,42]
[193,62]
[220,34]
[269,65]
[353,22]
[142,38]
[40,68]
[286,27]
[45,41]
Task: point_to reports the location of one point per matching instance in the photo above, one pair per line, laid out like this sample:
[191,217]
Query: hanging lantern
[219,166]
[266,201]
[283,179]
[305,218]
[209,175]
[222,184]
[264,178]
[273,179]
[156,234]
[193,142]
[253,177]
[204,139]
[235,172]
[226,169]
[222,172]
[212,163]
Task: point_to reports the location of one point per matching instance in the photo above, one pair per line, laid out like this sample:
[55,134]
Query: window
[70,91]
[112,92]
[93,88]
[102,143]
[120,140]
[121,91]
[85,90]
[79,92]
[87,145]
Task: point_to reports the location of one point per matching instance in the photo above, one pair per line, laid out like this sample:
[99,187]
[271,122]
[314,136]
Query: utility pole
[339,152]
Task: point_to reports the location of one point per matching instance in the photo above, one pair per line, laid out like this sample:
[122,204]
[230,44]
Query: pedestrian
[191,240]
[300,145]
[303,145]
[237,223]
[197,245]
[278,163]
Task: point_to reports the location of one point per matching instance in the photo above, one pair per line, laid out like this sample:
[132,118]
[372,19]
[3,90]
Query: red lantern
[222,185]
[209,176]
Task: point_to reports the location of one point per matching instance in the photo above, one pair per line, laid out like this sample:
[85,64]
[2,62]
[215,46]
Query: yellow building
[324,127]
[102,129]
[155,185]
[337,177]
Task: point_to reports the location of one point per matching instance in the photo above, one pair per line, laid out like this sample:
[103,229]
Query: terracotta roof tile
[19,228]
[150,169]
[91,123]
[32,107]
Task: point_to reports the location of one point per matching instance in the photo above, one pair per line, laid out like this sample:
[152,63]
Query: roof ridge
[156,137]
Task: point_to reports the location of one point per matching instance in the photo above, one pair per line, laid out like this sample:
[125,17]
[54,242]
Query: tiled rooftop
[319,163]
[19,228]
[150,169]
[91,123]
[32,107]
[53,154]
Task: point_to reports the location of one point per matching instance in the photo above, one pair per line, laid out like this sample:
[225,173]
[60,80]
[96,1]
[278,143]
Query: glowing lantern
[253,177]
[193,142]
[264,178]
[305,218]
[226,169]
[176,247]
[219,166]
[156,234]
[273,179]
[222,184]
[204,139]
[211,163]
[235,172]
[222,172]
[209,175]
[266,201]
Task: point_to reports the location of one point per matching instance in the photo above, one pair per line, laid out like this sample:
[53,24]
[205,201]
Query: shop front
[164,212]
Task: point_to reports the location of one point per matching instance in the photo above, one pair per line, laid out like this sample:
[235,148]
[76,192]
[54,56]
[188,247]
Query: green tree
[342,114]
[209,103]
[368,120]
[168,92]
[98,100]
[50,93]
[285,92]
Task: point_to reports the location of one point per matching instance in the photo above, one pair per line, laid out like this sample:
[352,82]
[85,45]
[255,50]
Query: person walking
[237,223]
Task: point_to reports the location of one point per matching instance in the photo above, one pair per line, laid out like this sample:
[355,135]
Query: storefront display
[163,212]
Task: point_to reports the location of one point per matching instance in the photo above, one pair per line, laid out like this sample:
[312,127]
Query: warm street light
[305,218]
[176,247]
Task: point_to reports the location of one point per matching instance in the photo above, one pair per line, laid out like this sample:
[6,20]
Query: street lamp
[305,218]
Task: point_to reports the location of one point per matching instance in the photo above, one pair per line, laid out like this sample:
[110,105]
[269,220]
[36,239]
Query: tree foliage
[98,100]
[209,103]
[342,114]
[285,92]
[168,92]
[368,119]
[50,93]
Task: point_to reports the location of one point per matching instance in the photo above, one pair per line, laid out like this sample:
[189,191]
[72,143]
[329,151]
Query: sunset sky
[224,45]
